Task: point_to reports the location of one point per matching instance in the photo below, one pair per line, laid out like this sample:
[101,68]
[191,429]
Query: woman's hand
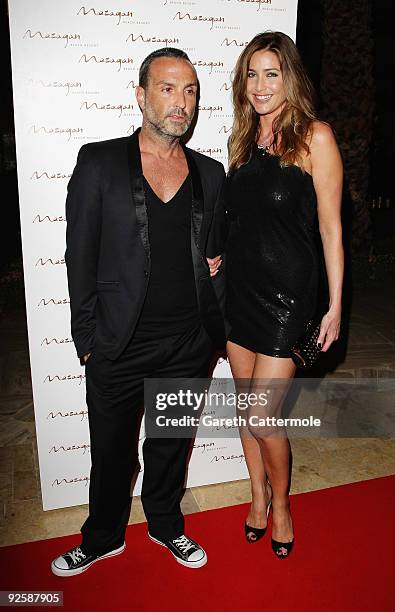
[330,328]
[214,264]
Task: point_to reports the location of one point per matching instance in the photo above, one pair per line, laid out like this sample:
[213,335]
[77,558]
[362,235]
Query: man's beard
[165,127]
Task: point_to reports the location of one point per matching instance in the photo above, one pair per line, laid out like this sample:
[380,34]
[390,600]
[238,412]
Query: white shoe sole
[190,564]
[65,573]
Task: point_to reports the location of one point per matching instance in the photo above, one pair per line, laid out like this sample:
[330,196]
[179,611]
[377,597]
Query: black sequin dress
[272,258]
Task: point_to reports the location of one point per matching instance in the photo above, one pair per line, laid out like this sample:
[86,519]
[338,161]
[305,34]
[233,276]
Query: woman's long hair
[291,127]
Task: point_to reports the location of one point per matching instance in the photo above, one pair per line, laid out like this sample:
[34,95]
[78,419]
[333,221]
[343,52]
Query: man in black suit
[143,214]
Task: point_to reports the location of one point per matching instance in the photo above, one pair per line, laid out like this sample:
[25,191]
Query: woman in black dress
[285,173]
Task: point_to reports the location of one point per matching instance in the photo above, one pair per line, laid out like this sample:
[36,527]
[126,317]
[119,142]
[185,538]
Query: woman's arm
[217,236]
[327,172]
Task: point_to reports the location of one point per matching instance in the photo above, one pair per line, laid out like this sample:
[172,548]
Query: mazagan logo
[199,18]
[259,3]
[104,13]
[152,39]
[105,107]
[66,85]
[51,36]
[55,131]
[119,61]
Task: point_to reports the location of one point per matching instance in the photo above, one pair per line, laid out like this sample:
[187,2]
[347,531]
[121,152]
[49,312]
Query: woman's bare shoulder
[321,134]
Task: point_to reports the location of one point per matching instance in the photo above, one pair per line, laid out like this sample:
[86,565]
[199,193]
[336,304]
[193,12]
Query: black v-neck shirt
[170,306]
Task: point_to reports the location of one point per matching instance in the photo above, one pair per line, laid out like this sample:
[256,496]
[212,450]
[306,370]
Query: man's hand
[214,264]
[86,357]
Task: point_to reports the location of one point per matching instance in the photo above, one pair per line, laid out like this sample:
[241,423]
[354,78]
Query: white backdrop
[75,65]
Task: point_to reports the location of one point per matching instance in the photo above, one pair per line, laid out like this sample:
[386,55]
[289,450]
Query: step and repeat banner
[75,66]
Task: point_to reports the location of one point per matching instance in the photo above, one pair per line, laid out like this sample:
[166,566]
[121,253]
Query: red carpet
[343,560]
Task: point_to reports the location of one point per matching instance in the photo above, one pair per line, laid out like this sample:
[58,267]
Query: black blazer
[107,245]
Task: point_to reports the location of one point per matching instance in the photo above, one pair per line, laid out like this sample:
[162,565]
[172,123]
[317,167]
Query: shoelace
[183,544]
[76,555]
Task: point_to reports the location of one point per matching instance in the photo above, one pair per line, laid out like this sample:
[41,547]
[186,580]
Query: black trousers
[115,392]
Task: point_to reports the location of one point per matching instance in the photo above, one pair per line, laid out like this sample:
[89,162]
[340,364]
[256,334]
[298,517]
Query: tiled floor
[317,463]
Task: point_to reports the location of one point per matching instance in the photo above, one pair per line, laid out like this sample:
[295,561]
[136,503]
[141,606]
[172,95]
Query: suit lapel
[138,194]
[197,197]
[137,189]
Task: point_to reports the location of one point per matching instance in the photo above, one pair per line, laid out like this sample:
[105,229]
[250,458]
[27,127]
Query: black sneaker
[184,550]
[76,560]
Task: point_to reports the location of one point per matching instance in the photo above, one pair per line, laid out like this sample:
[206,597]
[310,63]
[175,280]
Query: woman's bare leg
[275,448]
[242,362]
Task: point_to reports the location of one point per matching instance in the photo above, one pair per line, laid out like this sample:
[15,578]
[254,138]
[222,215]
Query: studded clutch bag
[305,351]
